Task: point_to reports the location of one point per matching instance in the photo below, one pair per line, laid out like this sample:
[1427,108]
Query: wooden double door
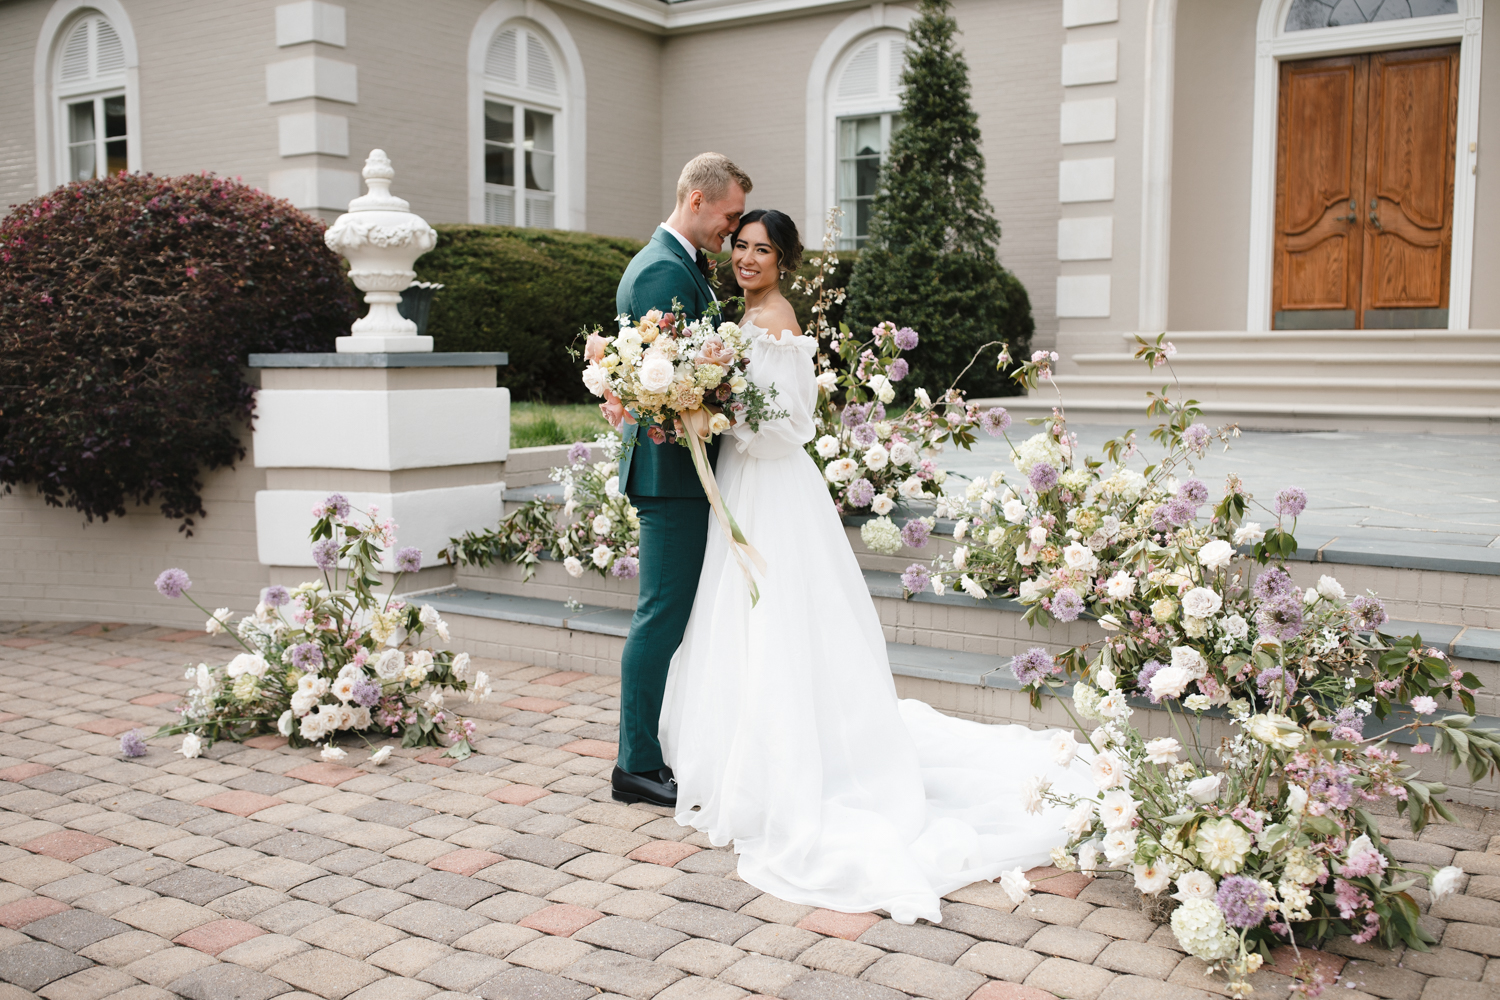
[1364,191]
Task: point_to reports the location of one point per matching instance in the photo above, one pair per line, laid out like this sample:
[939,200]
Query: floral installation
[331,655]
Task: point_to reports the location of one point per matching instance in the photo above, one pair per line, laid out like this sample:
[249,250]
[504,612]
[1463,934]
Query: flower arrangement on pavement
[331,656]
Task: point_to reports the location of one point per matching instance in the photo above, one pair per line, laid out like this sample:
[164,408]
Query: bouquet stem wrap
[695,422]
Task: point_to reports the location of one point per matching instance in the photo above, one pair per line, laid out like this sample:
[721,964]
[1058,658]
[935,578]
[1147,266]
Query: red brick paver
[23,911]
[518,795]
[21,772]
[1001,990]
[97,628]
[241,803]
[666,853]
[159,698]
[436,756]
[1058,882]
[108,727]
[592,748]
[21,642]
[8,716]
[324,772]
[1285,959]
[180,636]
[560,678]
[562,919]
[221,935]
[67,845]
[120,661]
[270,741]
[466,861]
[840,925]
[543,705]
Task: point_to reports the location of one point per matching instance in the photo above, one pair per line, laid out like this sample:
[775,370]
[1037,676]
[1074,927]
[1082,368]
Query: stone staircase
[1352,380]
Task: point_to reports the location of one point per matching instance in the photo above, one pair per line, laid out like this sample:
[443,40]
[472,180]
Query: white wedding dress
[782,724]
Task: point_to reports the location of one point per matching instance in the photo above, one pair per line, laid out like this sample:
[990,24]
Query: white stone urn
[382,238]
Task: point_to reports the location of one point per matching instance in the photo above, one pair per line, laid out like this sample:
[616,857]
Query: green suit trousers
[674,535]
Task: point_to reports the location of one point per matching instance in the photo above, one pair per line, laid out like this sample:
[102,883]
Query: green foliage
[528,292]
[930,262]
[536,424]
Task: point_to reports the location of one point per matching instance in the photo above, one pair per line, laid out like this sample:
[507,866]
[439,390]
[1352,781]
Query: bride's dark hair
[780,230]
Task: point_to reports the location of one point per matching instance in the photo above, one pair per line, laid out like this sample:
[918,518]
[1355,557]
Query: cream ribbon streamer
[696,423]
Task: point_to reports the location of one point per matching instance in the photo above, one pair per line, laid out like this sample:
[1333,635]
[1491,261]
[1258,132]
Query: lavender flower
[366,694]
[1348,724]
[337,505]
[1174,514]
[1033,665]
[1194,490]
[915,532]
[877,412]
[409,559]
[326,554]
[861,493]
[906,338]
[995,421]
[916,578]
[625,568]
[172,583]
[864,435]
[1275,680]
[1143,679]
[276,596]
[1290,502]
[131,744]
[1067,605]
[853,415]
[898,370]
[1042,477]
[1273,583]
[1196,437]
[1242,901]
[1280,617]
[1369,612]
[307,656]
[579,454]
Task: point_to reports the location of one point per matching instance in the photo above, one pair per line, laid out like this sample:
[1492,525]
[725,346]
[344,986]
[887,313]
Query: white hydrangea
[1199,927]
[881,535]
[1037,448]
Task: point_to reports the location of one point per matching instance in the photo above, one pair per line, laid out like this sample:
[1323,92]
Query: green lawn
[533,424]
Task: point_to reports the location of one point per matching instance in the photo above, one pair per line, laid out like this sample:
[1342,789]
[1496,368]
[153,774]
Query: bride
[781,722]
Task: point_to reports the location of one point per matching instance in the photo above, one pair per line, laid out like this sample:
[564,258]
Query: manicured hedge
[525,291]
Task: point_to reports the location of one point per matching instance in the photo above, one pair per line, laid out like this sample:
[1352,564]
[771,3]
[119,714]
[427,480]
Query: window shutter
[861,74]
[501,61]
[110,53]
[75,57]
[539,72]
[898,63]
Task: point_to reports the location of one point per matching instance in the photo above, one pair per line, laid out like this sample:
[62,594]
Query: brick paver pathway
[259,871]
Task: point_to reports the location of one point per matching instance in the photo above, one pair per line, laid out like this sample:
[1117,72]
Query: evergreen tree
[930,261]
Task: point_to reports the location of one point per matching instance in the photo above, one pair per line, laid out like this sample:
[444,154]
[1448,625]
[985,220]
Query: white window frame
[824,109]
[522,99]
[849,236]
[51,97]
[1275,44]
[567,106]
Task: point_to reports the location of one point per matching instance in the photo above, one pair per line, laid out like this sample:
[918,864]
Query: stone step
[1273,346]
[1193,364]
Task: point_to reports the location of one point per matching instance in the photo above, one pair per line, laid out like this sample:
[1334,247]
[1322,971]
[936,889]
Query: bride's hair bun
[782,232]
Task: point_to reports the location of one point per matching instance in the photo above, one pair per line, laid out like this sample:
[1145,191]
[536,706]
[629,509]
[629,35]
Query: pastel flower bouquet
[332,656]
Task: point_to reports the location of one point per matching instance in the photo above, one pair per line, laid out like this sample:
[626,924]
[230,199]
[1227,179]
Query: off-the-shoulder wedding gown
[782,725]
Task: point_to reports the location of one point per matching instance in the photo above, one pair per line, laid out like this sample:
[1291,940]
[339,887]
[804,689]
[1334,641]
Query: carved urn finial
[382,238]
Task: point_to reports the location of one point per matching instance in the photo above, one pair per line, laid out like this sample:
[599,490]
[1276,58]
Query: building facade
[1205,165]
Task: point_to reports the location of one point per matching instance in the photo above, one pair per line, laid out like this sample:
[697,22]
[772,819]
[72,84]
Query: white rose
[827,446]
[1117,810]
[1107,771]
[602,524]
[902,454]
[1151,878]
[961,557]
[1195,885]
[1080,557]
[911,488]
[1080,819]
[881,386]
[1216,554]
[192,746]
[595,379]
[841,470]
[1330,588]
[380,756]
[1235,626]
[602,555]
[1064,747]
[1311,597]
[215,625]
[883,505]
[1445,882]
[1120,586]
[573,566]
[1114,706]
[971,588]
[1296,799]
[1033,790]
[1014,511]
[1119,846]
[924,399]
[285,723]
[655,374]
[1110,623]
[1204,790]
[1190,660]
[1038,536]
[331,752]
[1163,750]
[1201,602]
[1016,885]
[1249,533]
[392,664]
[828,381]
[1088,857]
[612,488]
[1197,703]
[1170,682]
[877,457]
[960,529]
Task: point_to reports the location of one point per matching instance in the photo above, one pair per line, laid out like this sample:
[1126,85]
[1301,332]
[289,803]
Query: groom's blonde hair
[710,173]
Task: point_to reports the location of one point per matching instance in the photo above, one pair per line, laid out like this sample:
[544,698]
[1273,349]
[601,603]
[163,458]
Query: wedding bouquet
[330,655]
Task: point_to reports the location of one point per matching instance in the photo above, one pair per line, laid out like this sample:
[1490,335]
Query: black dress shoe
[655,787]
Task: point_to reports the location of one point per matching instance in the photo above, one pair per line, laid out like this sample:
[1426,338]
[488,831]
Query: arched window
[864,104]
[523,128]
[1305,15]
[89,89]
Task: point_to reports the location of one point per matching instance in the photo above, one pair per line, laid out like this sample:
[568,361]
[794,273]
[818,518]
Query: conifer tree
[930,261]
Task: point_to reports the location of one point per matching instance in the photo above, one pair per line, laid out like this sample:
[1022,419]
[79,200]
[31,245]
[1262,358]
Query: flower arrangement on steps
[332,656]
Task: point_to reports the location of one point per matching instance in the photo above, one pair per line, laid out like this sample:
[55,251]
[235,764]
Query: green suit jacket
[661,272]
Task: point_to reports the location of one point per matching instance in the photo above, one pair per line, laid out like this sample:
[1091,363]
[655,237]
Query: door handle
[1375,219]
[1351,217]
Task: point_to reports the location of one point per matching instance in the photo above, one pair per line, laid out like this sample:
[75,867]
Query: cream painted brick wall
[20,22]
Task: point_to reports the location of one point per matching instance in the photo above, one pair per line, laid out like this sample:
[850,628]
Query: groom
[659,478]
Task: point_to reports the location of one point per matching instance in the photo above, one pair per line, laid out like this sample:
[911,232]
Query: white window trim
[822,115]
[569,207]
[1273,45]
[51,141]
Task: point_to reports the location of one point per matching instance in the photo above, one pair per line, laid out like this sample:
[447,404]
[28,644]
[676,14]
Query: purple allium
[1143,679]
[877,412]
[1194,490]
[131,744]
[916,578]
[337,505]
[1369,612]
[1273,583]
[307,656]
[626,568]
[1290,502]
[276,596]
[906,338]
[914,533]
[1348,724]
[1042,477]
[1196,437]
[995,421]
[1280,617]
[366,694]
[1242,901]
[172,583]
[579,454]
[409,559]
[898,370]
[326,553]
[853,415]
[861,493]
[1033,665]
[1274,680]
[864,435]
[1067,605]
